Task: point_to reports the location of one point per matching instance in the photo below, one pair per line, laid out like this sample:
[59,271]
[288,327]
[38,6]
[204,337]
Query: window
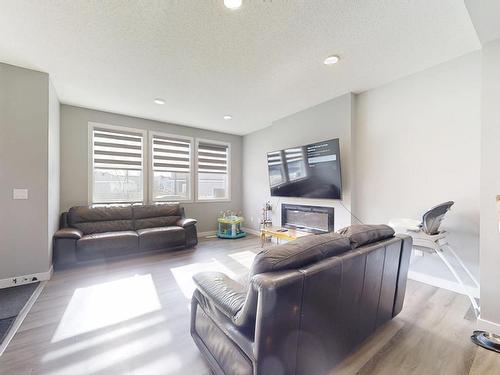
[129,165]
[171,168]
[213,170]
[117,165]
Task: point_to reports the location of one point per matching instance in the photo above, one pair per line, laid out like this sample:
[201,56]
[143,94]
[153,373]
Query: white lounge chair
[428,237]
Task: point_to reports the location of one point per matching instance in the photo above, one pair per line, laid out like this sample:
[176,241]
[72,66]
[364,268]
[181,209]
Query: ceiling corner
[485,16]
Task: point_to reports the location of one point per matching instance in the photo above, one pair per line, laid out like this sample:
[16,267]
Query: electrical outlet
[23,280]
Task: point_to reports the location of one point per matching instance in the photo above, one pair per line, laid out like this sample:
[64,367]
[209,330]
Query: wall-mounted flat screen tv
[310,171]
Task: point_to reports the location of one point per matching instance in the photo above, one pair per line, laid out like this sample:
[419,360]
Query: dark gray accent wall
[75,149]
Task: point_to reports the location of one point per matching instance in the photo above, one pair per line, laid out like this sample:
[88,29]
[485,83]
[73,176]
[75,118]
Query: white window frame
[90,152]
[191,166]
[222,143]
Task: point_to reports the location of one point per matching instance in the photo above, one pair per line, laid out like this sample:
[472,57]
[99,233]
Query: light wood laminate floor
[132,317]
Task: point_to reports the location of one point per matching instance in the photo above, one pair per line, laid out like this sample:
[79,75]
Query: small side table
[279,234]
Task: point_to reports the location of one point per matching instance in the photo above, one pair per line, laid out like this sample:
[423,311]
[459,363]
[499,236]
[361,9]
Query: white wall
[328,120]
[490,188]
[74,159]
[416,144]
[24,163]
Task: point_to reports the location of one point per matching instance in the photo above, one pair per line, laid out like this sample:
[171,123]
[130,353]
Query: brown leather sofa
[91,233]
[304,306]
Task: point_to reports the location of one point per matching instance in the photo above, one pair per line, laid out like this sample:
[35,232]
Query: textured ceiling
[259,63]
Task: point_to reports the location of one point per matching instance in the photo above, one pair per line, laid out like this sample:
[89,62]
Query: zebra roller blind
[171,154]
[212,158]
[213,169]
[117,166]
[171,158]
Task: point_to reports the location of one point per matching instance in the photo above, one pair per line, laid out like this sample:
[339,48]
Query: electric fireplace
[314,219]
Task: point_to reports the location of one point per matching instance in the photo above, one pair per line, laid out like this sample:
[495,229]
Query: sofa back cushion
[100,219]
[153,216]
[300,253]
[361,234]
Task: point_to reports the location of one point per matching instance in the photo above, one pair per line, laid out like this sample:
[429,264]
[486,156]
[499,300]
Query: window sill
[93,204]
[173,201]
[212,200]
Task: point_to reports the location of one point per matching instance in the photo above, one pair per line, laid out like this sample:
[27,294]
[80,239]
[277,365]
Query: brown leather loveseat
[90,233]
[305,305]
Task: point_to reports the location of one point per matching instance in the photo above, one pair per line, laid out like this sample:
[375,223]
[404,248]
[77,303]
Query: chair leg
[474,280]
[462,285]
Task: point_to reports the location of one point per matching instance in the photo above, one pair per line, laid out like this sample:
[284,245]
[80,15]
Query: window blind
[171,154]
[117,150]
[212,158]
[117,166]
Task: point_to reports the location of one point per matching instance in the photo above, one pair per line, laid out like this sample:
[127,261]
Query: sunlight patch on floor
[166,364]
[245,258]
[124,356]
[184,274]
[104,338]
[105,304]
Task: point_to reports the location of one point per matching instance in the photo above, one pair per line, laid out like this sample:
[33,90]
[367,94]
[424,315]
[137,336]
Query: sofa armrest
[227,295]
[185,222]
[71,233]
[278,316]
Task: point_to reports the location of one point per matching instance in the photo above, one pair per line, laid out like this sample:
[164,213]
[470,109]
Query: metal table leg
[452,270]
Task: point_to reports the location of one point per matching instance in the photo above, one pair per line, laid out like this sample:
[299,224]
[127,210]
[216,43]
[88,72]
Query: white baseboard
[486,325]
[214,232]
[442,283]
[20,317]
[26,279]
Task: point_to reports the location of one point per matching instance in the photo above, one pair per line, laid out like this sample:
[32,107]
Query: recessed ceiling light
[232,4]
[330,60]
[228,117]
[159,101]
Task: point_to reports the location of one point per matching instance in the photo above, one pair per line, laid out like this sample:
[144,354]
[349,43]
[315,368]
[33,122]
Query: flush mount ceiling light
[330,60]
[159,101]
[232,4]
[228,117]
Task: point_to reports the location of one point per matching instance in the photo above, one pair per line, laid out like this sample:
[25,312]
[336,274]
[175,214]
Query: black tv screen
[310,171]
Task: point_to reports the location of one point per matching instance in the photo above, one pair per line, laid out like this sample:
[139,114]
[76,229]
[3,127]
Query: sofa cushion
[152,216]
[100,219]
[361,234]
[300,252]
[100,245]
[161,238]
[154,222]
